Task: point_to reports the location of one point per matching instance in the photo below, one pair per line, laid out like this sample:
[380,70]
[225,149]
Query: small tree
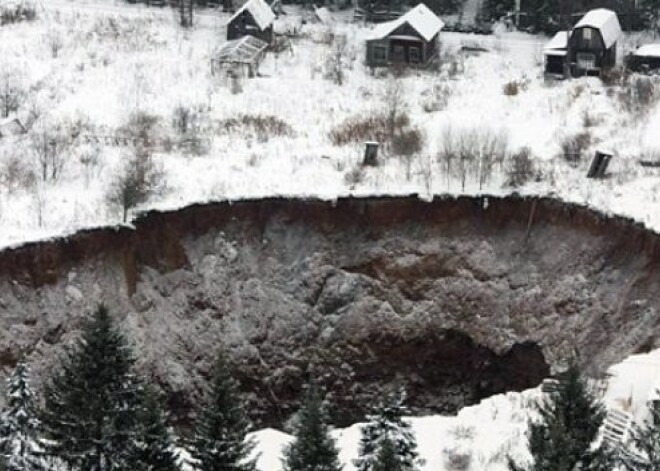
[386,423]
[219,443]
[395,103]
[647,440]
[93,401]
[313,448]
[12,92]
[386,460]
[136,182]
[20,428]
[563,437]
[49,146]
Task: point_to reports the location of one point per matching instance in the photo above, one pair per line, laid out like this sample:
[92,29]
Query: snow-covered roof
[245,50]
[649,50]
[420,18]
[557,45]
[605,21]
[262,13]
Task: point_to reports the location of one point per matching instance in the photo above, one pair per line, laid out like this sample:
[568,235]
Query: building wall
[586,42]
[383,52]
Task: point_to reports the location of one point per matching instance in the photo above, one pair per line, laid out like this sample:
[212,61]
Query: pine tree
[93,401]
[20,426]
[154,445]
[386,423]
[313,448]
[647,442]
[219,443]
[563,438]
[386,459]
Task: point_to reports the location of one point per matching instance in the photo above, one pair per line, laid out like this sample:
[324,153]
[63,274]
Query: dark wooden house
[554,54]
[646,59]
[255,18]
[411,39]
[592,43]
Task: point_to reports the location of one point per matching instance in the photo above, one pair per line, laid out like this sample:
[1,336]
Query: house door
[399,53]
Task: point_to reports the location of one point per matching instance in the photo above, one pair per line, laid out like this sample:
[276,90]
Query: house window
[380,54]
[586,61]
[414,55]
[586,34]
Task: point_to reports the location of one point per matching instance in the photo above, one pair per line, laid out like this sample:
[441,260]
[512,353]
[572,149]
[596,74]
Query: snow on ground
[88,67]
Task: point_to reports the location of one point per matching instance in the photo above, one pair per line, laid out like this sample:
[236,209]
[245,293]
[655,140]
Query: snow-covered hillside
[82,70]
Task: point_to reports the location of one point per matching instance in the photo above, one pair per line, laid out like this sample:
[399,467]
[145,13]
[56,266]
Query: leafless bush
[50,144]
[263,126]
[88,156]
[375,127]
[354,176]
[520,168]
[336,60]
[638,94]
[142,128]
[395,103]
[438,98]
[407,143]
[472,151]
[512,88]
[16,174]
[589,120]
[185,11]
[55,41]
[15,12]
[138,180]
[574,146]
[457,460]
[12,91]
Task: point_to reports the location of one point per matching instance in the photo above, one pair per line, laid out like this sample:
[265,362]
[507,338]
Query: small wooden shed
[592,43]
[255,18]
[645,59]
[554,54]
[240,56]
[410,39]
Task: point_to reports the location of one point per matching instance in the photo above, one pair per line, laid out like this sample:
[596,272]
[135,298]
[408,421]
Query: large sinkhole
[454,299]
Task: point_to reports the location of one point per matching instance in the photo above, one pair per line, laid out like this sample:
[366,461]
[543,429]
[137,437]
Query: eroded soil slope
[457,299]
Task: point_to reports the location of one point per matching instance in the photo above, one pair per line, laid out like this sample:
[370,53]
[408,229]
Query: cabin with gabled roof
[592,43]
[255,18]
[410,39]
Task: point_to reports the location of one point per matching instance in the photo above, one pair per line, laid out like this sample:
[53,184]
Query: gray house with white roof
[410,39]
[592,43]
[255,18]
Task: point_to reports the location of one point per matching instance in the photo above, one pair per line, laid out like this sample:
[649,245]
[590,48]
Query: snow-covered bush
[354,176]
[574,146]
[437,98]
[16,174]
[637,94]
[263,127]
[336,60]
[12,91]
[457,459]
[15,11]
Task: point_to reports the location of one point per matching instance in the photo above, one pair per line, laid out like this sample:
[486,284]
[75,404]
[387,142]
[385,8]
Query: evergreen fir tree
[93,401]
[386,423]
[154,445]
[647,442]
[386,459]
[20,426]
[219,443]
[313,448]
[563,438]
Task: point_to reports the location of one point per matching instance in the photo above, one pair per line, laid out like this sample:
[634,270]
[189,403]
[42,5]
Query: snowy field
[82,69]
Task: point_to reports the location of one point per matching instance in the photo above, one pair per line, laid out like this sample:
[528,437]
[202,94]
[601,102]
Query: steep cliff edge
[456,298]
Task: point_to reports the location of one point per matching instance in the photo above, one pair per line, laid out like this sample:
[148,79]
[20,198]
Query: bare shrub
[354,176]
[638,94]
[407,142]
[141,128]
[438,98]
[262,126]
[12,91]
[395,103]
[511,88]
[50,144]
[55,41]
[336,60]
[457,459]
[88,156]
[472,151]
[16,174]
[138,180]
[520,168]
[16,12]
[375,127]
[589,120]
[574,146]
